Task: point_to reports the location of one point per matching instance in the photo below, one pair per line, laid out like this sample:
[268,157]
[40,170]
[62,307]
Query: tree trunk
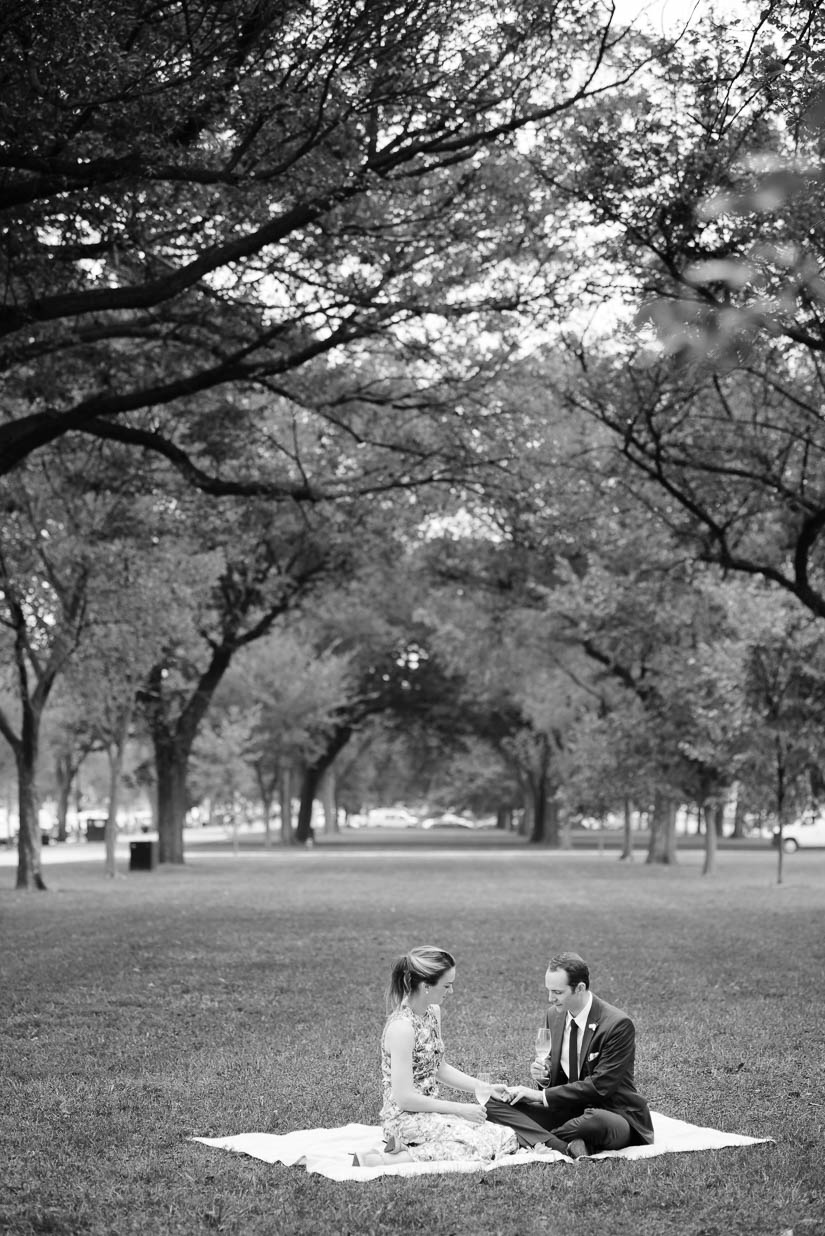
[816,777]
[234,811]
[780,805]
[115,757]
[670,832]
[64,775]
[711,838]
[538,795]
[173,742]
[171,761]
[266,808]
[29,842]
[739,816]
[662,848]
[326,792]
[266,790]
[285,788]
[504,819]
[557,828]
[627,833]
[312,779]
[115,752]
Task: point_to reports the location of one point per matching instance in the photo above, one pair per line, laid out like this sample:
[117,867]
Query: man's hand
[540,1072]
[525,1094]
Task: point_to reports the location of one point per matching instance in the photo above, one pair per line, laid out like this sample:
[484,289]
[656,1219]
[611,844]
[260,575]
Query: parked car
[391,817]
[448,820]
[806,833]
[486,821]
[598,823]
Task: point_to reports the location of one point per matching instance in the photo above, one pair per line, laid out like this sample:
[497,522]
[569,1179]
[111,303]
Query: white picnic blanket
[329,1152]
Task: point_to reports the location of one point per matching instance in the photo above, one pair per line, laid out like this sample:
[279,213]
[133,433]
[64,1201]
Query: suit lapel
[589,1030]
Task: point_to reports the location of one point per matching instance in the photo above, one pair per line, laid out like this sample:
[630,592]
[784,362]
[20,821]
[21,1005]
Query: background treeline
[411,395]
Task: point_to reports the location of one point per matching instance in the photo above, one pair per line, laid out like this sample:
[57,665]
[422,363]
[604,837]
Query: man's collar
[581,1018]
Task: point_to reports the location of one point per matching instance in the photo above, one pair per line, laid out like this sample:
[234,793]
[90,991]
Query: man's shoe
[553,1143]
[577,1149]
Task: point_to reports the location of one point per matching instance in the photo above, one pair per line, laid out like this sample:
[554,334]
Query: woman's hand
[471,1112]
[501,1091]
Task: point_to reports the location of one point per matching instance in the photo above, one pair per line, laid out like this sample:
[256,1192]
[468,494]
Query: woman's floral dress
[430,1136]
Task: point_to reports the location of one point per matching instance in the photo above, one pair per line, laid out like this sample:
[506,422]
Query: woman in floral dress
[418,1124]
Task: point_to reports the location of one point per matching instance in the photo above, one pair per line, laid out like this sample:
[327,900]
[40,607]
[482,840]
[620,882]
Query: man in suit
[587,1100]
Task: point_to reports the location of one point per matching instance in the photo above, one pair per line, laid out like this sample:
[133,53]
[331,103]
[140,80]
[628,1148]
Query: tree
[44,580]
[103,682]
[69,742]
[261,571]
[731,462]
[220,760]
[520,691]
[699,184]
[785,698]
[672,657]
[664,684]
[372,656]
[208,205]
[292,692]
[404,685]
[86,584]
[608,770]
[706,201]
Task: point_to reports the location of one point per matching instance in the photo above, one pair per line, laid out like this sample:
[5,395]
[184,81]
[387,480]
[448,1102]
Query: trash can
[143,855]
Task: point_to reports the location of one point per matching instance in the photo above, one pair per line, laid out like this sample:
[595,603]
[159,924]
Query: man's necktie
[573,1053]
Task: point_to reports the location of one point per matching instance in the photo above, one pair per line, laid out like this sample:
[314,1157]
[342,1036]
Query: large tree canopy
[210,205]
[702,189]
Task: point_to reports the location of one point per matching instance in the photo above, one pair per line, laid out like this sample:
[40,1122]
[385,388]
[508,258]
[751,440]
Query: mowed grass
[246,994]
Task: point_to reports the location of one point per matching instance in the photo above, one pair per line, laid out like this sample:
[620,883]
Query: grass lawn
[246,994]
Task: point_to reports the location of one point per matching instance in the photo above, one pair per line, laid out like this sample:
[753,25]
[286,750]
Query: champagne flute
[543,1046]
[483,1087]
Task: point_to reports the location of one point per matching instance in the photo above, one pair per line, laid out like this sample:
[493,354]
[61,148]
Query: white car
[391,817]
[806,833]
[448,820]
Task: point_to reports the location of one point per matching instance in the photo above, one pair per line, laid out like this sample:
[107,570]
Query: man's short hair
[574,966]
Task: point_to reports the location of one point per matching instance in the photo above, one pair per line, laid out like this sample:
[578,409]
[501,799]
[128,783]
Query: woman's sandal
[368,1158]
[393,1146]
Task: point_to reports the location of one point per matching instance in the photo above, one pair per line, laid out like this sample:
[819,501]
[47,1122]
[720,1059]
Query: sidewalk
[218,840]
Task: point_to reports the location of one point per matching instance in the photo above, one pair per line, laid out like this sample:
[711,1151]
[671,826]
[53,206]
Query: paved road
[219,841]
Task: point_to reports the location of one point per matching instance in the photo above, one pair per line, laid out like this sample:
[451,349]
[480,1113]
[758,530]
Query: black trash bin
[143,855]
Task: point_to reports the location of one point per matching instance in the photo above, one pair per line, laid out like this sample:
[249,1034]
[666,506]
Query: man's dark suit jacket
[607,1052]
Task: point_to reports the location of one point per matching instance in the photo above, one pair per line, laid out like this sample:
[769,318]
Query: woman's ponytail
[424,964]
